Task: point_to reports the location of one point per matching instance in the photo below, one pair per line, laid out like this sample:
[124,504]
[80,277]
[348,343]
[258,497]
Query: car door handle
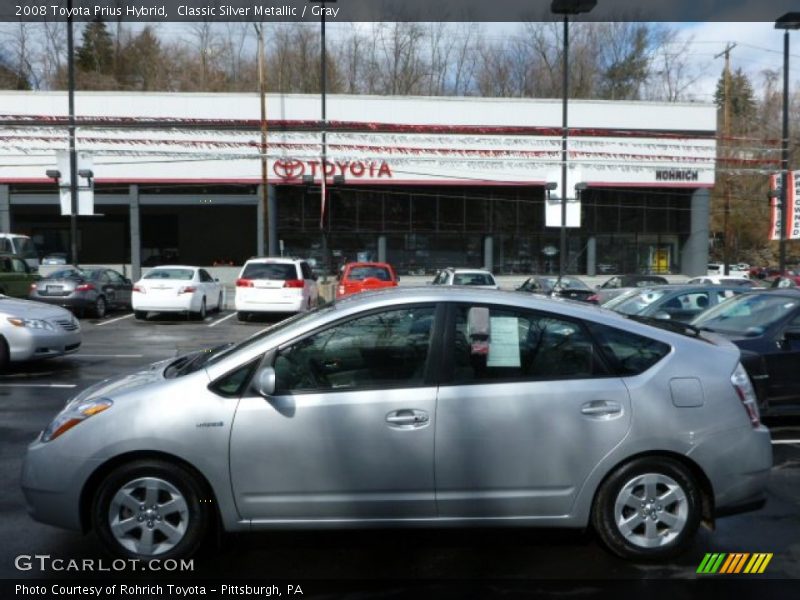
[601,408]
[407,418]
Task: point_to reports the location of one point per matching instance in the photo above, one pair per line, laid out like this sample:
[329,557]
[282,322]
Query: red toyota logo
[289,169]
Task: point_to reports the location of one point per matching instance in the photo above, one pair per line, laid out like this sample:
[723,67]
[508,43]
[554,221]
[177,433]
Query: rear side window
[629,353]
[522,346]
[5,245]
[270,271]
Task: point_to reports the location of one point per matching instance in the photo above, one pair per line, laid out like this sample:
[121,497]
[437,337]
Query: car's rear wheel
[100,307]
[151,509]
[648,509]
[203,312]
[140,314]
[219,303]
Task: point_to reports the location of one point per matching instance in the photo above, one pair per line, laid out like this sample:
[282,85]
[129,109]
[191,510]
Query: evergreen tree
[96,53]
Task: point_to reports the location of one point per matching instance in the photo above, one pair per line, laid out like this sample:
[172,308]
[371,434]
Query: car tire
[100,307]
[5,356]
[649,508]
[242,316]
[151,509]
[203,312]
[219,303]
[141,315]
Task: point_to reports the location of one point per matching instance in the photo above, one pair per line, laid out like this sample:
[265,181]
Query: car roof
[173,267]
[274,259]
[367,264]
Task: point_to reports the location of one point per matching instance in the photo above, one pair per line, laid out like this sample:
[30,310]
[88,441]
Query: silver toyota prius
[414,407]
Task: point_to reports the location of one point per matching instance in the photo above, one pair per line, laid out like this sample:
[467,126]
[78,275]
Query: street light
[566,8]
[786,22]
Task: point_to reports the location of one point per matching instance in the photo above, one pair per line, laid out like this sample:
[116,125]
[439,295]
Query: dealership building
[420,182]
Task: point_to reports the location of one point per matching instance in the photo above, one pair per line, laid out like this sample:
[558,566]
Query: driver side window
[380,350]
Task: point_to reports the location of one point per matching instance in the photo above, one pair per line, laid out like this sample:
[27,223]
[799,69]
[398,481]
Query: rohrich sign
[293,170]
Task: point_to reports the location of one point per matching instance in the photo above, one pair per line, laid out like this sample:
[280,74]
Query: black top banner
[388,10]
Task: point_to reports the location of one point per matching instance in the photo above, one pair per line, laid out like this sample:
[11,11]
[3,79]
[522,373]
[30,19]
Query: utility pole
[73,161]
[726,132]
[262,88]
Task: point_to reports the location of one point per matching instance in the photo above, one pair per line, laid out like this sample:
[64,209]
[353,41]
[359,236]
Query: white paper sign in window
[504,345]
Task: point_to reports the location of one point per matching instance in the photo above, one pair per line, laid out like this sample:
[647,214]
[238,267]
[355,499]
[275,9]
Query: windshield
[279,271]
[180,274]
[217,353]
[746,315]
[25,248]
[67,274]
[472,279]
[635,303]
[362,273]
[567,284]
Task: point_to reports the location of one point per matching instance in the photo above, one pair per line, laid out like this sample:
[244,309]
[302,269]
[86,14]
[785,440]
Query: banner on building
[792,225]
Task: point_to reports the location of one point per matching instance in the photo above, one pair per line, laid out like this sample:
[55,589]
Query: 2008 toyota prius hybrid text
[414,406]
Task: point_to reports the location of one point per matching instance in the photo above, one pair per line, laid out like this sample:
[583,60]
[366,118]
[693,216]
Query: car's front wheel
[151,509]
[141,315]
[648,509]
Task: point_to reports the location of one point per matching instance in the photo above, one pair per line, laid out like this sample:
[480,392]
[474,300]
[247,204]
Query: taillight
[85,287]
[140,289]
[187,289]
[244,282]
[744,388]
[593,298]
[33,286]
[293,283]
[340,290]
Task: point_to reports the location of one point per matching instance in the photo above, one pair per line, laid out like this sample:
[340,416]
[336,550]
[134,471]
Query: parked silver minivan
[421,406]
[22,246]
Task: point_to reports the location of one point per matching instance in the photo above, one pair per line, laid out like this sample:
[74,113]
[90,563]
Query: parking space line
[40,385]
[114,320]
[218,321]
[774,442]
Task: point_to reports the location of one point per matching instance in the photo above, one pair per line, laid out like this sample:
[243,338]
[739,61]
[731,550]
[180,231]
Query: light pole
[323,127]
[566,8]
[270,244]
[786,22]
[73,163]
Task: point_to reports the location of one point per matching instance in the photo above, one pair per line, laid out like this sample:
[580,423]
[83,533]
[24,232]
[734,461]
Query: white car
[275,285]
[32,330]
[478,278]
[176,289]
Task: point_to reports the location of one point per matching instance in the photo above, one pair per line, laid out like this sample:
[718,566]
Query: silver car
[414,407]
[32,330]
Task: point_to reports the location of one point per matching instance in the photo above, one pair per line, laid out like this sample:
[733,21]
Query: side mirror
[265,382]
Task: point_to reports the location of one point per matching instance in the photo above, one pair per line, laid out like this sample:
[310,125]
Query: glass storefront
[427,228]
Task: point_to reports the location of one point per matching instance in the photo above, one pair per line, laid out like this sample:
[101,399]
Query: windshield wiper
[677,327]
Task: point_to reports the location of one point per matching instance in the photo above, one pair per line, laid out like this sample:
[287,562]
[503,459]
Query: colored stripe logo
[734,563]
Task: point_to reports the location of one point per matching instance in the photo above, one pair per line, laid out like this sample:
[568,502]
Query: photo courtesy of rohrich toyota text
[346,298]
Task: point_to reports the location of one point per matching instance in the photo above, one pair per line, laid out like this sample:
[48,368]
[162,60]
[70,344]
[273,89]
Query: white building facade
[420,182]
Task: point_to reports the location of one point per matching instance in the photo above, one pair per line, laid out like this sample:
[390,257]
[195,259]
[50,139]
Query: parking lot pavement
[31,395]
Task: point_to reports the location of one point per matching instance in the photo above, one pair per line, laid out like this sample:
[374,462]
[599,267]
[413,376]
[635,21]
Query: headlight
[73,414]
[31,323]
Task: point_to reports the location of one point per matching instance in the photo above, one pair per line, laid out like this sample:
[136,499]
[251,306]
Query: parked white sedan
[176,289]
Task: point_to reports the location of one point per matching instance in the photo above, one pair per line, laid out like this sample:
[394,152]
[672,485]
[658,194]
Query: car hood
[29,309]
[114,386]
